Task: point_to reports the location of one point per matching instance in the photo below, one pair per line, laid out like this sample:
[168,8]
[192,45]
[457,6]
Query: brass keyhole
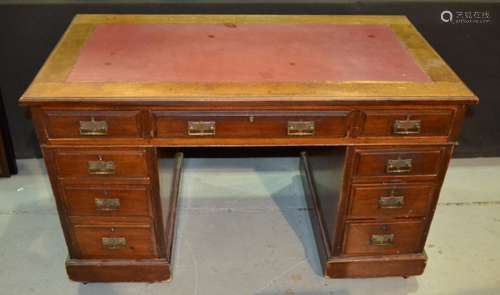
[251,119]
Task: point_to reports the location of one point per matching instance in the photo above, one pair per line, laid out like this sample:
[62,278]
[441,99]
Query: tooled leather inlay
[244,53]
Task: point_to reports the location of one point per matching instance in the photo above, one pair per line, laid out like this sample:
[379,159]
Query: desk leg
[322,174]
[170,179]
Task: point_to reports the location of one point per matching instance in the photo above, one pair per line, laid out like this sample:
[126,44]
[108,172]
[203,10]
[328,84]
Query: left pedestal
[117,224]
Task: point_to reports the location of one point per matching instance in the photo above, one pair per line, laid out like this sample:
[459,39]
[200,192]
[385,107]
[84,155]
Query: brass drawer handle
[114,243]
[109,204]
[201,128]
[406,127]
[398,166]
[93,128]
[391,202]
[300,128]
[101,168]
[382,239]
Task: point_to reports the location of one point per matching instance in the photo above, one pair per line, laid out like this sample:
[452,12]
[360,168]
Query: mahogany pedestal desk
[385,109]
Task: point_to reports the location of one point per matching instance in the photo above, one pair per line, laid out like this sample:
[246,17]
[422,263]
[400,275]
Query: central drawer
[251,124]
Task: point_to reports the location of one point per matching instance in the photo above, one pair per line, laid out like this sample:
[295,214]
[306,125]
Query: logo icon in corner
[467,17]
[446,16]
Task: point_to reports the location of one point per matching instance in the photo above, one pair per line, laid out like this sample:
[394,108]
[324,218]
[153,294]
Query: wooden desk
[384,107]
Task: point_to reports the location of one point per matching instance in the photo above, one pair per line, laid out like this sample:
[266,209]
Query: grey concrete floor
[243,229]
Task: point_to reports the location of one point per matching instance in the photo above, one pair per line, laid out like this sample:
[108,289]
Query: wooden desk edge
[49,84]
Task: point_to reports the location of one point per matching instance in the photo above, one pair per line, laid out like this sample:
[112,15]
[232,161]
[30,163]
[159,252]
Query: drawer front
[407,123]
[93,124]
[95,242]
[293,124]
[107,201]
[389,201]
[101,163]
[383,238]
[394,162]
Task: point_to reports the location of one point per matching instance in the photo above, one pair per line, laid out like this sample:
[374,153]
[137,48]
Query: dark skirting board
[8,164]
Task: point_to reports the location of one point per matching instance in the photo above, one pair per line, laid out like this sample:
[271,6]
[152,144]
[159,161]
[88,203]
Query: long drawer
[92,124]
[101,163]
[115,241]
[256,124]
[398,237]
[398,200]
[107,200]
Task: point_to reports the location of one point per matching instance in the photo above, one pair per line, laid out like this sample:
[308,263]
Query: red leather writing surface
[244,53]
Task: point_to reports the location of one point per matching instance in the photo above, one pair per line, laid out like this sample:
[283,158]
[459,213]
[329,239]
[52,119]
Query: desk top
[162,58]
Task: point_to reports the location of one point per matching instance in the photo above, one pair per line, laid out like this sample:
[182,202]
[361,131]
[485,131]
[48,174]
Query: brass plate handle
[406,127]
[108,204]
[382,239]
[300,128]
[101,167]
[398,166]
[201,128]
[391,202]
[93,128]
[114,243]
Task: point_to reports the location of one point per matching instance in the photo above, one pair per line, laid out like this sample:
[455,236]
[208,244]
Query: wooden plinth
[376,266]
[118,270]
